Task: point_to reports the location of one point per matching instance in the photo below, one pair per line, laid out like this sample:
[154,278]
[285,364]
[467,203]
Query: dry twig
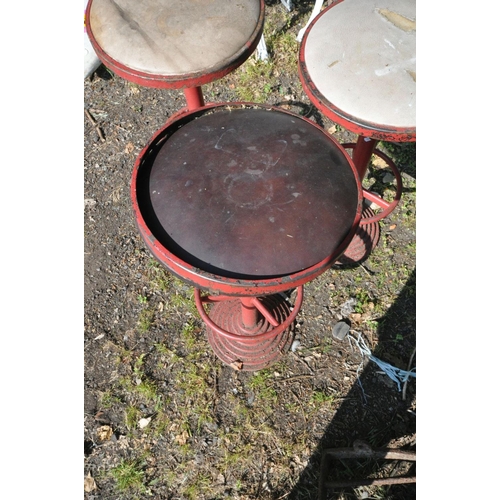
[408,369]
[298,358]
[96,126]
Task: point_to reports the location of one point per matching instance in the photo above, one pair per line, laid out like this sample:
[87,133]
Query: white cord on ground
[396,374]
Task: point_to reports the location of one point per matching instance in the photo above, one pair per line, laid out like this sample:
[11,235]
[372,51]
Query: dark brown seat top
[251,193]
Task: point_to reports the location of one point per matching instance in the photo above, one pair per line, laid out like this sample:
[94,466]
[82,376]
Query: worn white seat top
[173,37]
[361,56]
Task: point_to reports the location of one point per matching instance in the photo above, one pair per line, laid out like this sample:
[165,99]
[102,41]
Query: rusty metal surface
[363,243]
[361,450]
[251,193]
[254,353]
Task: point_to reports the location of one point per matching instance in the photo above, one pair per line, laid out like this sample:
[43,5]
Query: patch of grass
[139,362]
[181,300]
[161,423]
[162,349]
[192,381]
[140,385]
[145,320]
[148,389]
[124,356]
[144,386]
[362,301]
[199,485]
[109,399]
[236,455]
[326,346]
[255,81]
[241,410]
[188,335]
[261,386]
[178,294]
[284,50]
[372,324]
[159,277]
[132,416]
[319,397]
[129,476]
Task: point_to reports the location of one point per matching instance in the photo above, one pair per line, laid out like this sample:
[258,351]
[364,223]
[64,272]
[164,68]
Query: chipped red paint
[386,207]
[372,130]
[250,305]
[194,97]
[254,346]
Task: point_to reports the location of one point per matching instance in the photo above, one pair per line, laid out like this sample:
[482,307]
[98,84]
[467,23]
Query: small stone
[340,330]
[250,398]
[144,422]
[104,433]
[89,202]
[89,484]
[388,178]
[348,307]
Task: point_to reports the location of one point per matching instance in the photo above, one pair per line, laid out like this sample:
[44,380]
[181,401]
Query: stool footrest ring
[277,329]
[387,207]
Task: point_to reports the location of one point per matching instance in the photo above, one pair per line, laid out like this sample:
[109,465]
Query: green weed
[132,416]
[108,399]
[201,484]
[145,320]
[262,388]
[321,397]
[129,476]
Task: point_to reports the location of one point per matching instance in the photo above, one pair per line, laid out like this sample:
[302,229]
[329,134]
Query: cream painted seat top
[174,37]
[361,57]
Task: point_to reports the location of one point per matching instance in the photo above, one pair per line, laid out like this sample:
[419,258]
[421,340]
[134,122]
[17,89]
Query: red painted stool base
[249,356]
[364,241]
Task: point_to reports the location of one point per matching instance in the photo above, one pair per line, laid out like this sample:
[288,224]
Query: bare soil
[159,401]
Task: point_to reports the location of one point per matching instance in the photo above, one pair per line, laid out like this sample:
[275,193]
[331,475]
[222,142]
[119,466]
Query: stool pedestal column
[249,333]
[194,98]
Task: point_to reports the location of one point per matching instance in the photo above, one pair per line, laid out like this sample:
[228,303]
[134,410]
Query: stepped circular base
[248,355]
[365,240]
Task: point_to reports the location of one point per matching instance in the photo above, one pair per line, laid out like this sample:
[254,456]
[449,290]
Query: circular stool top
[358,62]
[247,193]
[172,43]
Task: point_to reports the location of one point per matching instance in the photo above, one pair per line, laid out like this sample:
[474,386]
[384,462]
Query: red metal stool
[174,44]
[357,64]
[246,202]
